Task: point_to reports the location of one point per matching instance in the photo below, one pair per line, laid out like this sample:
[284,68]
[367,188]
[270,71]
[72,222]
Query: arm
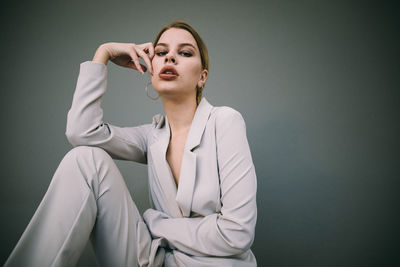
[231,231]
[84,121]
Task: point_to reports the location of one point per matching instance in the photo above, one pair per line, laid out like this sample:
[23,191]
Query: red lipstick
[168,73]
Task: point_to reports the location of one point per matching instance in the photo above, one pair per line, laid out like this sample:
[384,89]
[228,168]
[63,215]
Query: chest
[174,155]
[195,171]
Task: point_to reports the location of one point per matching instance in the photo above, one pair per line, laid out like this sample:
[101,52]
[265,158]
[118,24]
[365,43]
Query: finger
[151,50]
[146,59]
[135,60]
[148,48]
[132,65]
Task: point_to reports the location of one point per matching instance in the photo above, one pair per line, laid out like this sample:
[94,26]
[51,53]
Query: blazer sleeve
[231,231]
[85,124]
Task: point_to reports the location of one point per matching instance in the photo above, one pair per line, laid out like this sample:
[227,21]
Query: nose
[170,58]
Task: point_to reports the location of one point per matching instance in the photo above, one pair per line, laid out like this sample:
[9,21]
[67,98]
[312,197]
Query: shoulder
[225,116]
[230,131]
[158,121]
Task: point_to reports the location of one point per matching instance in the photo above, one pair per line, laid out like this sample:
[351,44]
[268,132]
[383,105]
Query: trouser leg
[87,198]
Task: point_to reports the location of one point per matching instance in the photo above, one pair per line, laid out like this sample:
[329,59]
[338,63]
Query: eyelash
[184,53]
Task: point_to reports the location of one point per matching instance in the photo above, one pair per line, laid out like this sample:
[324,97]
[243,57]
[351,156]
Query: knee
[93,164]
[87,150]
[88,159]
[79,153]
[84,166]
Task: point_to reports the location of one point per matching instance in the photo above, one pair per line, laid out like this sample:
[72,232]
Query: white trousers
[86,199]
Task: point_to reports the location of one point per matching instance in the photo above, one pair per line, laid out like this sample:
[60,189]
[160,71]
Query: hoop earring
[147,92]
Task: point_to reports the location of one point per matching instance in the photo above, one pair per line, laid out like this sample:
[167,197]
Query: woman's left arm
[231,231]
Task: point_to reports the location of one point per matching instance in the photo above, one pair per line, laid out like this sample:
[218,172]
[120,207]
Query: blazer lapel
[163,173]
[180,201]
[187,176]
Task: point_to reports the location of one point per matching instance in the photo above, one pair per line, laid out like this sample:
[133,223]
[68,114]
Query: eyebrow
[180,45]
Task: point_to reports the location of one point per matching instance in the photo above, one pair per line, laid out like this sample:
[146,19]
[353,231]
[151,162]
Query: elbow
[77,135]
[243,242]
[71,132]
[238,237]
[75,138]
[72,138]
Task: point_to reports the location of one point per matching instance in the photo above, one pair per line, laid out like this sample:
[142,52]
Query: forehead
[176,36]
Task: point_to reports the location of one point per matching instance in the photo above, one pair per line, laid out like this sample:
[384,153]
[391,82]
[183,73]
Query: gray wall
[314,80]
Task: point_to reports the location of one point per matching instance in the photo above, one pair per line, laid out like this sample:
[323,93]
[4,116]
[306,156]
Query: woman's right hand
[126,55]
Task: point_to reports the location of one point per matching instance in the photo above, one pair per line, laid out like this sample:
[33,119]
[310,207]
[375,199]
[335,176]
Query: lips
[168,73]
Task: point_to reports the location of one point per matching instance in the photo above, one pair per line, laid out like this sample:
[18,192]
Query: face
[177,65]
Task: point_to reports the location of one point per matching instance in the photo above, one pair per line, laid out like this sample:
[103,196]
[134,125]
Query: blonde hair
[200,44]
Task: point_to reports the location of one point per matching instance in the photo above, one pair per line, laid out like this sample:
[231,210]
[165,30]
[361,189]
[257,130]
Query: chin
[170,88]
[165,89]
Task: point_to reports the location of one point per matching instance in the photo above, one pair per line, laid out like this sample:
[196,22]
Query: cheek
[195,72]
[157,64]
[193,69]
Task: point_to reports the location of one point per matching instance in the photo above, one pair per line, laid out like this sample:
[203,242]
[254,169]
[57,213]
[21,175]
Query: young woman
[201,176]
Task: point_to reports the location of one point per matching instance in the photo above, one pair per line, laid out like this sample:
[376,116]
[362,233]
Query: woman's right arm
[85,124]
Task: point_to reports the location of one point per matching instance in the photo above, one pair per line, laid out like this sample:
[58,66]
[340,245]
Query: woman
[201,175]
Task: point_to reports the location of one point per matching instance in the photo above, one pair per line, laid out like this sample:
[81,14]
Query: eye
[161,53]
[186,54]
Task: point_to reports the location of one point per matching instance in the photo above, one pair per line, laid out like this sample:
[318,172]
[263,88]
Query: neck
[180,114]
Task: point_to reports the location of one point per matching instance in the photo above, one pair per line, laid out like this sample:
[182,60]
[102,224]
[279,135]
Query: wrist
[101,55]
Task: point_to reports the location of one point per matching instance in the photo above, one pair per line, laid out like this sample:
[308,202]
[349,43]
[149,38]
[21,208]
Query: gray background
[316,81]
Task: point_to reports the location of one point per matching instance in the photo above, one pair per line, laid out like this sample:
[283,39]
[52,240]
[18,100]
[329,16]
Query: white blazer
[209,218]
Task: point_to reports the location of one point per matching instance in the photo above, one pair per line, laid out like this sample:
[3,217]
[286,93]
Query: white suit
[209,218]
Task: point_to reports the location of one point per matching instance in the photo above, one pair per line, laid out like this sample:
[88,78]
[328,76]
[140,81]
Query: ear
[203,78]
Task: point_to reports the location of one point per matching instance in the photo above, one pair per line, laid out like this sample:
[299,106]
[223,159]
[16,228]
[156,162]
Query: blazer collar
[184,194]
[198,125]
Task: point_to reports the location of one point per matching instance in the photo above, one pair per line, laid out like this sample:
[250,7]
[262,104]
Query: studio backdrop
[315,81]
